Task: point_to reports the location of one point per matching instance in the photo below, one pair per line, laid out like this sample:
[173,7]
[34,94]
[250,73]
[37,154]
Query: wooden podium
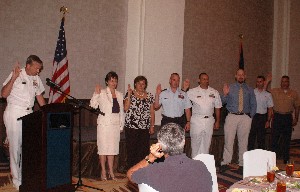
[47,149]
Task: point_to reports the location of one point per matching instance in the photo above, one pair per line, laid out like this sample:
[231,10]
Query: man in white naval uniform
[205,101]
[20,88]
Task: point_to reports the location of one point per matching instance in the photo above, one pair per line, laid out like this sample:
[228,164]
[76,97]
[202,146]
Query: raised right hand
[158,89]
[225,89]
[129,90]
[269,77]
[186,84]
[16,71]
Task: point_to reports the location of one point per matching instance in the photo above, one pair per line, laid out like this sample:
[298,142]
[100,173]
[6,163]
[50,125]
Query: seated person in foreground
[178,172]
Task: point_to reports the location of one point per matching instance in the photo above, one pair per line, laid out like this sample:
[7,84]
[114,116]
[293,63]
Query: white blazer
[105,102]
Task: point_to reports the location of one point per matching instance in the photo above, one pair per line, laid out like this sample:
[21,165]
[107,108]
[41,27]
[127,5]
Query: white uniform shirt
[204,100]
[24,89]
[264,101]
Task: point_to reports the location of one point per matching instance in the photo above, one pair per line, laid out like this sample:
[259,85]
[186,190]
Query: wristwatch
[148,161]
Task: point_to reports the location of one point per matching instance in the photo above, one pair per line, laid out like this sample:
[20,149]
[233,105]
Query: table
[262,183]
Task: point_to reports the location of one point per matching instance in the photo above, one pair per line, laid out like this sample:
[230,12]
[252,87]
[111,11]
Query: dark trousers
[178,120]
[257,132]
[137,145]
[282,126]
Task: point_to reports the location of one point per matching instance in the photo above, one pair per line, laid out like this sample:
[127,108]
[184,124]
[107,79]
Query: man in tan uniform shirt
[286,103]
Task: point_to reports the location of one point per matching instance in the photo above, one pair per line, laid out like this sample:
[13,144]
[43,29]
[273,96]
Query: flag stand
[60,55]
[80,106]
[80,183]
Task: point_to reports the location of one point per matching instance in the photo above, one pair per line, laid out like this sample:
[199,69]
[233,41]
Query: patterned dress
[137,124]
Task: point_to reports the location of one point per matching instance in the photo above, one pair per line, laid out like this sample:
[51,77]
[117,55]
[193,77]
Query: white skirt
[108,137]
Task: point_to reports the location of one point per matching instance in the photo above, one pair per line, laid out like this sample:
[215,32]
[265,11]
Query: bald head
[240,76]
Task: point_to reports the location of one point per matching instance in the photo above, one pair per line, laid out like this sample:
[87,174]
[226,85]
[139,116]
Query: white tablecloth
[247,184]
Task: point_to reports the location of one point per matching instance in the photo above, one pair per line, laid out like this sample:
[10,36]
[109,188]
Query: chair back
[256,162]
[145,188]
[209,161]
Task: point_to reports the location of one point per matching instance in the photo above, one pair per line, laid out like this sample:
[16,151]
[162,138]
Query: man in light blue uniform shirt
[262,118]
[241,105]
[174,102]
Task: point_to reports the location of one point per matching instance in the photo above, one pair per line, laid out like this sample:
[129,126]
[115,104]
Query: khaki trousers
[240,125]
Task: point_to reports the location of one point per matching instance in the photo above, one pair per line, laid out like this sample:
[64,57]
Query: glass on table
[281,186]
[270,173]
[289,168]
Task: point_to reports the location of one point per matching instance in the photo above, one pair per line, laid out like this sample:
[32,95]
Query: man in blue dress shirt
[174,102]
[241,105]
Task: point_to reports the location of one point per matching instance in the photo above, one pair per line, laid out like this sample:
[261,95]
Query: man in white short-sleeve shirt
[206,101]
[20,89]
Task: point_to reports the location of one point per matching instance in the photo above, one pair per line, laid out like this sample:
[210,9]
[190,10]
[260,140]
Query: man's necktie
[241,99]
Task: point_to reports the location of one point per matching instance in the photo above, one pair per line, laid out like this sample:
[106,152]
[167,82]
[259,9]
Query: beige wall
[95,32]
[205,38]
[294,53]
[211,41]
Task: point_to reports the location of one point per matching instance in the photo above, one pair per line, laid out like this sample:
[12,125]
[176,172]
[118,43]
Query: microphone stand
[80,105]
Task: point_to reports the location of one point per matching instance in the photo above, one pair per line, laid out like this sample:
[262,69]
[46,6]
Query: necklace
[140,95]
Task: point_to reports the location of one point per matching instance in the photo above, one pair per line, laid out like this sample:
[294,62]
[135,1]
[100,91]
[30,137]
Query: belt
[173,118]
[202,116]
[283,113]
[240,113]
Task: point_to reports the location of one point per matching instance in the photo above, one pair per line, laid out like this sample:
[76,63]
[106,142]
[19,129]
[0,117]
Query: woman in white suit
[110,102]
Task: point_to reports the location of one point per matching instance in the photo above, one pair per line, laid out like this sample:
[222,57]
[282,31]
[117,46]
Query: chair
[145,188]
[256,162]
[209,161]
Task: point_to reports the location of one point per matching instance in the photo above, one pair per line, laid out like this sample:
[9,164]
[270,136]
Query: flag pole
[241,60]
[64,10]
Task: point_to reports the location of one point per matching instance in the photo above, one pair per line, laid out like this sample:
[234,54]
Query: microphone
[52,84]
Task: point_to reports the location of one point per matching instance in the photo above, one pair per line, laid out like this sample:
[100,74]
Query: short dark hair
[140,78]
[35,58]
[110,75]
[261,77]
[202,74]
[285,77]
[174,74]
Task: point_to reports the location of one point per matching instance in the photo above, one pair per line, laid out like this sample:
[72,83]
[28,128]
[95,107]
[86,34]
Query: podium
[47,149]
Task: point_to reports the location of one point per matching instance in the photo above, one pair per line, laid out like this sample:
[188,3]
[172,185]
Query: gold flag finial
[64,10]
[241,36]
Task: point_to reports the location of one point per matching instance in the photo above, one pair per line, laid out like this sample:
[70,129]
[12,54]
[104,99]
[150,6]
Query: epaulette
[186,90]
[268,91]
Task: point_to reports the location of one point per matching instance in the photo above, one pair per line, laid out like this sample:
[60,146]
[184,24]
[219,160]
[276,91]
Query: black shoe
[223,168]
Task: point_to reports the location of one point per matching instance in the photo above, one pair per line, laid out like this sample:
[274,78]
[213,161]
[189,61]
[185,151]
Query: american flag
[60,73]
[241,61]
